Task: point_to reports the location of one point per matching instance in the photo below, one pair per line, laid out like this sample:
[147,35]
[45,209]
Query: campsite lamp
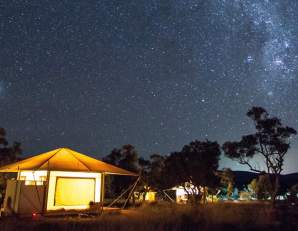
[36,216]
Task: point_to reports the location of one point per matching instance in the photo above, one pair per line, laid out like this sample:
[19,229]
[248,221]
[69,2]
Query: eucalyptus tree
[269,144]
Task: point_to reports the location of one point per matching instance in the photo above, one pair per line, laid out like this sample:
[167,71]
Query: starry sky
[94,75]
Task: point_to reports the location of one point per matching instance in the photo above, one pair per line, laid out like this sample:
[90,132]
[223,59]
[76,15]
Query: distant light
[249,59]
[278,62]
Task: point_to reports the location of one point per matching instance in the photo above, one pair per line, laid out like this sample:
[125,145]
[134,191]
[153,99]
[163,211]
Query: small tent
[184,191]
[61,179]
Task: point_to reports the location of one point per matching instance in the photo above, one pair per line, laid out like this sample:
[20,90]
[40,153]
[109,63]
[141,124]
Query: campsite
[57,180]
[54,191]
[63,189]
[148,115]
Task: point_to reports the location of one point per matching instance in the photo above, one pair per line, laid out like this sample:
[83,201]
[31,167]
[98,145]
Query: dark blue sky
[94,75]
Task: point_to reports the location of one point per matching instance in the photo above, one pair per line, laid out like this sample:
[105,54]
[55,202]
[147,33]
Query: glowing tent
[59,179]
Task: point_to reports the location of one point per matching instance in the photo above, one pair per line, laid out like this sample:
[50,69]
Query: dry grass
[166,216]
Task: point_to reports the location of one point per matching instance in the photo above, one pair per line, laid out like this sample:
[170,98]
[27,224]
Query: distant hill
[243,178]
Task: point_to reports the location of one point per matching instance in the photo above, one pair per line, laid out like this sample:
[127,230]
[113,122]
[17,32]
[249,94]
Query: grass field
[167,216]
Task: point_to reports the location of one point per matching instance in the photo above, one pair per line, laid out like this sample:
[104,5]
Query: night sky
[94,75]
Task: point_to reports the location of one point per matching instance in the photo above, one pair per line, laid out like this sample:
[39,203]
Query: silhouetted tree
[127,158]
[196,164]
[293,194]
[114,157]
[264,187]
[253,187]
[270,142]
[8,153]
[155,172]
[227,180]
[261,187]
[175,171]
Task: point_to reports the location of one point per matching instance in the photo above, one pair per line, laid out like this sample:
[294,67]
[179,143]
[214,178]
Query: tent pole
[45,193]
[171,199]
[132,190]
[121,195]
[102,191]
[36,188]
[15,204]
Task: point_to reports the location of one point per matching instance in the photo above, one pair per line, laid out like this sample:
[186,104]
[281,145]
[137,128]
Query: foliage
[126,157]
[227,180]
[264,187]
[253,187]
[261,187]
[8,153]
[293,194]
[196,163]
[152,171]
[270,142]
[244,195]
[294,189]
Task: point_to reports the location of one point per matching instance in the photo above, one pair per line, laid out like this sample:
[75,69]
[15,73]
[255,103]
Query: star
[97,75]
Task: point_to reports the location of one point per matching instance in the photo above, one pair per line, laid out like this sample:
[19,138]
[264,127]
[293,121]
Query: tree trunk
[275,189]
[204,195]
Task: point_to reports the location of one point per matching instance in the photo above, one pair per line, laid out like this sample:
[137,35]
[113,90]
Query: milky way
[95,75]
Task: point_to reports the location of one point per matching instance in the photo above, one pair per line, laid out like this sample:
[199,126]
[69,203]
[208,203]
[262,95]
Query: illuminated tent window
[150,196]
[33,177]
[66,193]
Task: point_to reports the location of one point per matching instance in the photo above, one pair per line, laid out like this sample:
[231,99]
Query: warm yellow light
[150,196]
[182,193]
[73,190]
[33,177]
[66,193]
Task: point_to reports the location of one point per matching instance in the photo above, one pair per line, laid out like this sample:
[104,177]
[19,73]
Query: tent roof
[64,159]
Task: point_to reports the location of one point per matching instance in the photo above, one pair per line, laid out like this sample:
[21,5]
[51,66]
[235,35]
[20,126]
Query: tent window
[74,191]
[33,177]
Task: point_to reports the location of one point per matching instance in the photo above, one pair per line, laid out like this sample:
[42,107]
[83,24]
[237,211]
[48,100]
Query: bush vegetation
[170,216]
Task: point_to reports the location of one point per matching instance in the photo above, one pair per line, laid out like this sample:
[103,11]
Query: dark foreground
[220,216]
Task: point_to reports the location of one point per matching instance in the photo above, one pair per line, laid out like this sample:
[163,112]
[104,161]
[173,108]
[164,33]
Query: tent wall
[23,199]
[31,199]
[73,190]
[11,196]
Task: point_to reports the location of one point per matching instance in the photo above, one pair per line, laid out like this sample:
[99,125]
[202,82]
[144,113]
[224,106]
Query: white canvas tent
[182,192]
[61,179]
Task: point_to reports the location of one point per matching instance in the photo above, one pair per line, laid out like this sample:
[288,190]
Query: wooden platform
[85,212]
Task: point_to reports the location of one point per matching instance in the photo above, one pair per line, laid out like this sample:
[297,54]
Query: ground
[167,216]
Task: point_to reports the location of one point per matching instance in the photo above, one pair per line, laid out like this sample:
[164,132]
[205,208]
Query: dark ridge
[243,178]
